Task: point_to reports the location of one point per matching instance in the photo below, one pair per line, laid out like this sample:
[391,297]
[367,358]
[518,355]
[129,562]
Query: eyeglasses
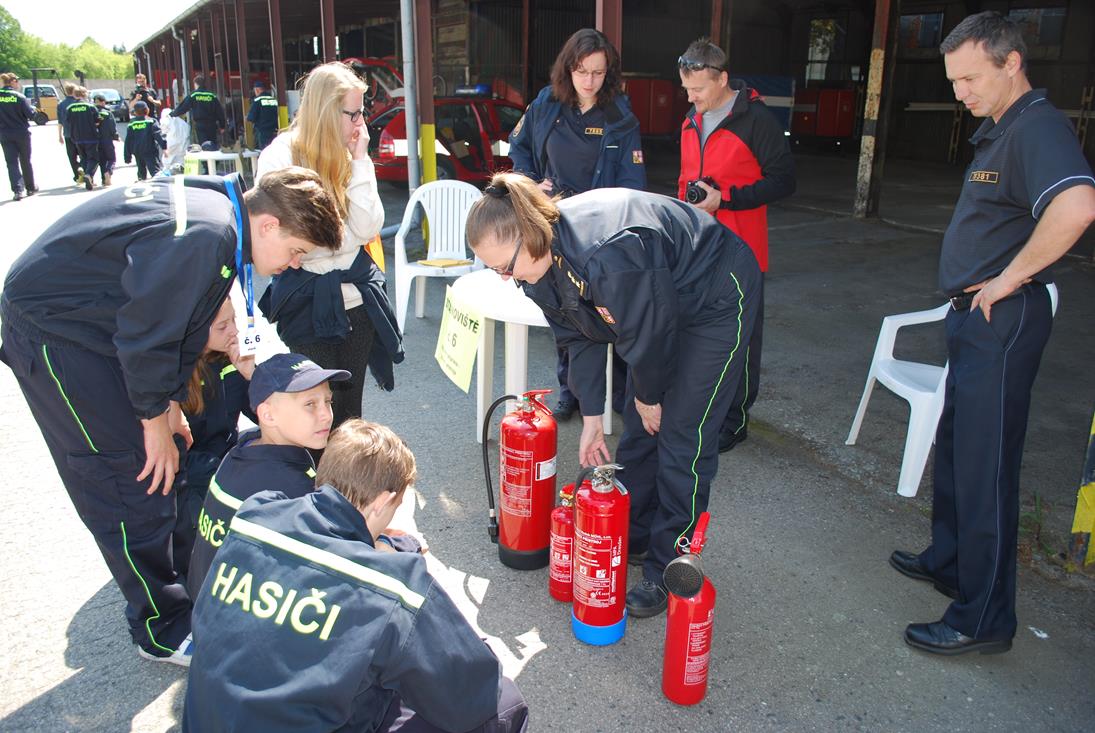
[589,73]
[690,65]
[508,272]
[355,115]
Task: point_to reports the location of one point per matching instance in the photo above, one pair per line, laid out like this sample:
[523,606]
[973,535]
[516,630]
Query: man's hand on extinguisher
[592,450]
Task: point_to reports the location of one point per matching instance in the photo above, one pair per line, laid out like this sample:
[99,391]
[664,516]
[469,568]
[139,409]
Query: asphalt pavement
[809,620]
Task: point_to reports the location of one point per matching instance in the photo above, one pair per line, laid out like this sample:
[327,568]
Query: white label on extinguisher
[516,471]
[545,469]
[595,575]
[561,549]
[699,651]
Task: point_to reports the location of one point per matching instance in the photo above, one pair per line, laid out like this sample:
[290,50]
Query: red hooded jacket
[750,161]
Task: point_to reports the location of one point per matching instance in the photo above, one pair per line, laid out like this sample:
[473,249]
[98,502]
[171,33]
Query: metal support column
[203,46]
[220,62]
[872,151]
[277,50]
[424,55]
[327,23]
[410,82]
[245,73]
[716,20]
[526,75]
[610,21]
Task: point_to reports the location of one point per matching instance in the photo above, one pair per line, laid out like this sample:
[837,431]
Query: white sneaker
[181,656]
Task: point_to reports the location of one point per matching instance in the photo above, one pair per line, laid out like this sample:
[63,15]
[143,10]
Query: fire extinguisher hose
[492,524]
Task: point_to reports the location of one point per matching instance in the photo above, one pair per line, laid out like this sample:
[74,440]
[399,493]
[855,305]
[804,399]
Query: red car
[472,139]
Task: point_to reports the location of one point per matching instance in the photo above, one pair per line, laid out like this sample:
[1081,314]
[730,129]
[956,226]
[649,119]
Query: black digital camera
[693,194]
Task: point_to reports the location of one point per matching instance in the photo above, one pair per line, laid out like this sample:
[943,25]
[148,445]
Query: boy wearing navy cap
[291,397]
[144,141]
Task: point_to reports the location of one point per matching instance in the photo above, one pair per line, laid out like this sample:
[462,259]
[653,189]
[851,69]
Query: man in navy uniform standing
[1028,196]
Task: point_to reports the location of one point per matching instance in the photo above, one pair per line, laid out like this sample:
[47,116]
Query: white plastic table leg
[516,361]
[484,376]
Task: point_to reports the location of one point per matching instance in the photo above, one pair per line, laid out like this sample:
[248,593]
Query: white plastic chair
[445,205]
[921,385]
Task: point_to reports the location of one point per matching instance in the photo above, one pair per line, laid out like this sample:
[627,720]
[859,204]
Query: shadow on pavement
[110,686]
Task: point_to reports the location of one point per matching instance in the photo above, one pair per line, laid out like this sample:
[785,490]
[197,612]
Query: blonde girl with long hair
[329,136]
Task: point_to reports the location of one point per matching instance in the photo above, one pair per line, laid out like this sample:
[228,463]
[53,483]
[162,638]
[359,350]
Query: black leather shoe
[908,564]
[646,599]
[728,439]
[564,408]
[939,638]
[636,558]
[18,196]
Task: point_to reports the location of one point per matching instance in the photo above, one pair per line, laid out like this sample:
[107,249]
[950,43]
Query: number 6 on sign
[458,341]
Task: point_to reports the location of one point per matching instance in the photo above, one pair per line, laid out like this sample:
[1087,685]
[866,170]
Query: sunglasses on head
[690,65]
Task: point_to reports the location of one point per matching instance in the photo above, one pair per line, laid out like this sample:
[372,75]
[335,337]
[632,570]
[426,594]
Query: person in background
[335,311]
[146,94]
[263,115]
[306,624]
[580,134]
[16,112]
[145,142]
[108,133]
[83,120]
[65,135]
[206,114]
[735,154]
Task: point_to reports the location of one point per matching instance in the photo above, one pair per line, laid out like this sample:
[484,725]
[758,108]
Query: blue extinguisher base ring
[598,635]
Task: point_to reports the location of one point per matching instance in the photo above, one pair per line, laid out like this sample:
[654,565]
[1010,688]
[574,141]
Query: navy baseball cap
[289,373]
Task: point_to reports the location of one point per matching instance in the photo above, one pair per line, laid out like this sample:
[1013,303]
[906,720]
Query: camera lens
[693,194]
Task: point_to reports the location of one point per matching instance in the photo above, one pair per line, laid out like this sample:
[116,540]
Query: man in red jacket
[735,160]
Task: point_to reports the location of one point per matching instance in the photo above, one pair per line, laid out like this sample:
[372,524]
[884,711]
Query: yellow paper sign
[192,166]
[458,341]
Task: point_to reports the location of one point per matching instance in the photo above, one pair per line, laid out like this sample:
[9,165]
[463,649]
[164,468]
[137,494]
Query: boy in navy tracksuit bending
[303,624]
[291,398]
[145,142]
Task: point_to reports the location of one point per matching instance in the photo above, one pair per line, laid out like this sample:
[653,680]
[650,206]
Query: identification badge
[249,344]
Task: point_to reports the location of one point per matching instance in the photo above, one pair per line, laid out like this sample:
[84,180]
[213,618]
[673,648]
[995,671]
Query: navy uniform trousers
[669,474]
[17,157]
[79,400]
[978,451]
[737,418]
[512,715]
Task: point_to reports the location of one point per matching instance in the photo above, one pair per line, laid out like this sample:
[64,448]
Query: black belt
[962,301]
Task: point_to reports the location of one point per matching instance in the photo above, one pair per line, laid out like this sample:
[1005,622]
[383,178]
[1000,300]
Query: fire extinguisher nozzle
[492,530]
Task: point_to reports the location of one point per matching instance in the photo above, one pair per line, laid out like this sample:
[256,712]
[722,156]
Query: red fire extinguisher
[689,623]
[560,578]
[601,515]
[527,448]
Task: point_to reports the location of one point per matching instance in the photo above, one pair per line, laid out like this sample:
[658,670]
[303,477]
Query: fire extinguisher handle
[492,523]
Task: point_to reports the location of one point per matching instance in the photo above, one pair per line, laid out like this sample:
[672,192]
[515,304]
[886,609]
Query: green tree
[11,44]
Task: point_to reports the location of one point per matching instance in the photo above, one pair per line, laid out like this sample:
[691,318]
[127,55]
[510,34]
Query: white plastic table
[501,300]
[210,158]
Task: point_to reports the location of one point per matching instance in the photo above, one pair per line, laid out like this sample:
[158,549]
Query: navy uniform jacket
[264,114]
[16,112]
[143,139]
[302,626]
[632,269]
[134,276]
[204,108]
[245,471]
[62,114]
[620,162]
[108,128]
[83,122]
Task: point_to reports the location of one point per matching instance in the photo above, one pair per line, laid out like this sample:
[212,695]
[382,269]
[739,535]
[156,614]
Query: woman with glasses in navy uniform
[676,293]
[332,308]
[577,135]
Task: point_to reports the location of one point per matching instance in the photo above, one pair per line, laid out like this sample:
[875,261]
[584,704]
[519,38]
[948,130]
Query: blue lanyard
[244,270]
